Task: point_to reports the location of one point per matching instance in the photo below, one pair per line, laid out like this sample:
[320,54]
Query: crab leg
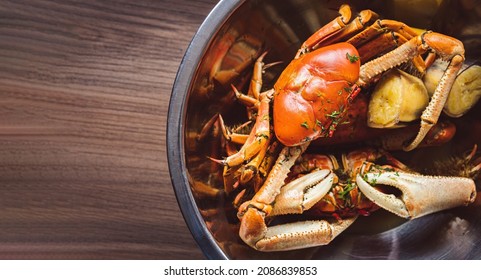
[339,29]
[252,167]
[232,136]
[326,31]
[270,158]
[365,17]
[381,44]
[248,101]
[387,42]
[226,76]
[383,36]
[381,27]
[258,137]
[256,81]
[446,47]
[421,195]
[431,114]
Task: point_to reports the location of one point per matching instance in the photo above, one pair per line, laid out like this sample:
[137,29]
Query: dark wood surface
[84,93]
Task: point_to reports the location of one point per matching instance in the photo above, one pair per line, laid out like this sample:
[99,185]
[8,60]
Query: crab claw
[294,198]
[420,195]
[300,235]
[302,193]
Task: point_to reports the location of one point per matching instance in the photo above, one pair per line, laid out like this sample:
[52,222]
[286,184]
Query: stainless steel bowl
[245,28]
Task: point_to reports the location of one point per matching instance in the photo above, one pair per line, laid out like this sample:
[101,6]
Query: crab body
[313,93]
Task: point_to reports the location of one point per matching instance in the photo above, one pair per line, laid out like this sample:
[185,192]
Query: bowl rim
[176,123]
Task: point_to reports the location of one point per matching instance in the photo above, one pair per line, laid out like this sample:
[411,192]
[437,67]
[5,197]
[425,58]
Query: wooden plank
[84,93]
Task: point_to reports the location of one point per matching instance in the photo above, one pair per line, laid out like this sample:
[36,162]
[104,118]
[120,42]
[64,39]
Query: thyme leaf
[305,125]
[352,58]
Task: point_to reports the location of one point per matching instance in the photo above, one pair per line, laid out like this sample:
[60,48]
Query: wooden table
[84,94]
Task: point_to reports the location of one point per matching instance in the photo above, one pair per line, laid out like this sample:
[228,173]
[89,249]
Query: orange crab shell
[313,93]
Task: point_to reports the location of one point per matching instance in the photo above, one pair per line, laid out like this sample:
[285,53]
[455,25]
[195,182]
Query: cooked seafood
[313,98]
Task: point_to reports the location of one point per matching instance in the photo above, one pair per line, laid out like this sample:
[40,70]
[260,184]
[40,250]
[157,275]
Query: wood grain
[84,93]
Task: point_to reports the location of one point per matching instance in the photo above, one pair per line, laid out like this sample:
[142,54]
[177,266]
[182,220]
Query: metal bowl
[242,29]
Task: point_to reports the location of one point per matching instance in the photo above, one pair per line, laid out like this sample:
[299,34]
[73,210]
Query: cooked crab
[311,98]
